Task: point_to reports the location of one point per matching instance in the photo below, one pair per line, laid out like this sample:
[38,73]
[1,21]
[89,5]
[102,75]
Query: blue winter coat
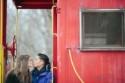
[41,77]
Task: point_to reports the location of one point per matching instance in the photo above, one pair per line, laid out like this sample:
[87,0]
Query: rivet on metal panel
[58,10]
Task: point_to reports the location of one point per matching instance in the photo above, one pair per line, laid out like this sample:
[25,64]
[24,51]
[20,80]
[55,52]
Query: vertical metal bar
[1,20]
[17,30]
[1,47]
[122,31]
[54,58]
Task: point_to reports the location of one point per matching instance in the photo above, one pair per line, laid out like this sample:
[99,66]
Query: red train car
[94,65]
[88,39]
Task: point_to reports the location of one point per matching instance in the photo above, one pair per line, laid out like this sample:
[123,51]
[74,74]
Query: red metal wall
[93,67]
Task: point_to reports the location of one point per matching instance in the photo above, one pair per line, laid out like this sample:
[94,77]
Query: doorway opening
[29,32]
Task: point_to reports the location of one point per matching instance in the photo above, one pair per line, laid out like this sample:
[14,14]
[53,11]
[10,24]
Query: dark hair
[45,58]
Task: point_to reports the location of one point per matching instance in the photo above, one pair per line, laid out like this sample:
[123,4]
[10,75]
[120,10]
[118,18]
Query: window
[102,29]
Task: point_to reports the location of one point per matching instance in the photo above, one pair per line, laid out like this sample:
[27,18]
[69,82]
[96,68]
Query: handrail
[74,68]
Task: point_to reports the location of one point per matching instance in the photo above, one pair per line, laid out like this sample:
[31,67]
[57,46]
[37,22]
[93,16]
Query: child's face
[38,62]
[30,62]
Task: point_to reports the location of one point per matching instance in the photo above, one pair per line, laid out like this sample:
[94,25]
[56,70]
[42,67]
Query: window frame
[82,33]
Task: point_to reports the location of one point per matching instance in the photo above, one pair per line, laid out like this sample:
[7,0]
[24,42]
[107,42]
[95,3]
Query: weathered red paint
[93,67]
[4,32]
[54,16]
